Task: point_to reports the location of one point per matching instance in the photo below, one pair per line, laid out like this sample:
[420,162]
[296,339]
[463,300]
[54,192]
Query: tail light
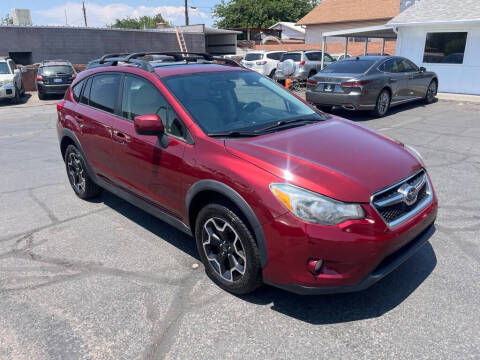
[60,105]
[311,82]
[261,62]
[355,83]
[302,63]
[39,78]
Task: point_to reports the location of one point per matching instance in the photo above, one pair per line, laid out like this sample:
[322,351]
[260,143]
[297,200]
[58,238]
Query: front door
[143,166]
[397,79]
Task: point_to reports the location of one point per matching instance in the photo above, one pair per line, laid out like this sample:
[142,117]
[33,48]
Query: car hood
[6,77]
[336,158]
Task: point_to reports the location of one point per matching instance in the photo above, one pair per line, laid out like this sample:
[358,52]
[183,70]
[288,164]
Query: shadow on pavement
[23,100]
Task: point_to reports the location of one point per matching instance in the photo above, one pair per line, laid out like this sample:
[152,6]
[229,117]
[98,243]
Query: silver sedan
[371,83]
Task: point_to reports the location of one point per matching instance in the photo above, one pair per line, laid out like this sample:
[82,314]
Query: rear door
[94,114]
[417,81]
[143,166]
[396,79]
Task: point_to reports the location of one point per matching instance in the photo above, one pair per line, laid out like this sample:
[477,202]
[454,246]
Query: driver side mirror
[422,69]
[152,125]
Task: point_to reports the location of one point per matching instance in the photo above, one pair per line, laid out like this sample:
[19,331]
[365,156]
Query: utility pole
[187,22]
[84,13]
[66,19]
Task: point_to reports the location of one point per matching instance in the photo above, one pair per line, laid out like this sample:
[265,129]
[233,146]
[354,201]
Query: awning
[379,31]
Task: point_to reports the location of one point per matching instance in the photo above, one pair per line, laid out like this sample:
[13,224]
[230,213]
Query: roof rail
[55,60]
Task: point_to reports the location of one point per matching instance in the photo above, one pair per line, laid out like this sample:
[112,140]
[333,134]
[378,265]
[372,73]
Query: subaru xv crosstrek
[273,190]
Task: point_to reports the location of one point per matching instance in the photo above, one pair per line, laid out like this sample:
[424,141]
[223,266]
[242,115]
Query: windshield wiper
[282,123]
[235,134]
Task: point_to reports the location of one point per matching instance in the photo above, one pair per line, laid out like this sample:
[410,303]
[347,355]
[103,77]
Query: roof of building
[289,25]
[435,11]
[335,11]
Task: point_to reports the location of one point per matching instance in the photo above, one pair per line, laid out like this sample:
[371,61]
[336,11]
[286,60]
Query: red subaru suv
[273,190]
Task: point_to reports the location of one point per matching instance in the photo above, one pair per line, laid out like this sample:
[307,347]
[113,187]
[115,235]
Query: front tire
[272,74]
[77,173]
[17,99]
[431,92]
[227,249]
[383,103]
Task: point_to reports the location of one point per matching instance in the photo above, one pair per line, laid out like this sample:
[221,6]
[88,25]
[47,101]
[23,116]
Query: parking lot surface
[105,280]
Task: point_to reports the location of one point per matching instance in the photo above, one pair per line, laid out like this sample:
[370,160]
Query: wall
[455,78]
[288,33]
[314,33]
[81,45]
[222,44]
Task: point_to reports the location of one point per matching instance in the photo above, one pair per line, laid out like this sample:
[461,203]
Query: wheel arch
[204,191]
[69,138]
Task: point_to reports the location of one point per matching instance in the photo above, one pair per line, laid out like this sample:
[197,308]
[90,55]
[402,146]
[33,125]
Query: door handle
[79,118]
[120,137]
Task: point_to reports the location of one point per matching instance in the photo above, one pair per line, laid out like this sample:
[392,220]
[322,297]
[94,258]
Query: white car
[339,57]
[11,85]
[264,63]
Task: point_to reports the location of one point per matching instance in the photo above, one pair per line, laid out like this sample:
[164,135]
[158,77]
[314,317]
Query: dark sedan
[371,83]
[54,77]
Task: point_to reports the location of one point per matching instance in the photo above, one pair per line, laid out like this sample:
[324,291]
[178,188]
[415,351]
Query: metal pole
[383,46]
[366,47]
[187,22]
[346,46]
[324,40]
[84,13]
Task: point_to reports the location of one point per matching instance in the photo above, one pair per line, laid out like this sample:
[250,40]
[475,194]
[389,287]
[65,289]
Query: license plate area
[58,81]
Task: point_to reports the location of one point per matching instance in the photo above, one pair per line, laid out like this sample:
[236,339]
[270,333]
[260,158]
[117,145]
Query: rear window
[349,66]
[253,57]
[275,56]
[293,56]
[56,70]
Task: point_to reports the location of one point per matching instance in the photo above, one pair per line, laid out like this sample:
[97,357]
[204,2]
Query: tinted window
[315,56]
[141,97]
[349,67]
[85,99]
[393,65]
[235,100]
[253,57]
[103,93]
[77,91]
[56,70]
[445,47]
[275,56]
[329,58]
[408,66]
[294,56]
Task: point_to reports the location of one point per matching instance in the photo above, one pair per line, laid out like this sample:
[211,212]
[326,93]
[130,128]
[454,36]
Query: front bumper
[355,254]
[52,89]
[7,91]
[348,101]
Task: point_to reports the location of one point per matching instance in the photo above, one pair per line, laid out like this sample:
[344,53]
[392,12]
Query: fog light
[314,266]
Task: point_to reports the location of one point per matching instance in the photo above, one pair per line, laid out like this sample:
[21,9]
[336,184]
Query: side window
[103,93]
[85,99]
[274,56]
[315,56]
[408,66]
[77,91]
[11,65]
[391,66]
[141,97]
[327,58]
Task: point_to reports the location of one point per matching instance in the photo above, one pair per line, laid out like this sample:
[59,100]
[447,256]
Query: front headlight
[415,153]
[315,208]
[7,81]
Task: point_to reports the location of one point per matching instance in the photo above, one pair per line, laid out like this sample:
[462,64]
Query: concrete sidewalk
[459,97]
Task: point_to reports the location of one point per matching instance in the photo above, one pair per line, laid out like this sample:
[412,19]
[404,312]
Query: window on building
[445,47]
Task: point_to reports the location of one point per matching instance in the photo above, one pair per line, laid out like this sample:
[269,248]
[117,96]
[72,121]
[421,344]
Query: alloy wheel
[383,103]
[432,91]
[224,249]
[76,172]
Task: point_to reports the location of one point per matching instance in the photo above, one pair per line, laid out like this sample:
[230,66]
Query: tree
[147,22]
[260,13]
[6,20]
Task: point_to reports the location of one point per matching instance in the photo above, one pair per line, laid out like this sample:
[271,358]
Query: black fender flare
[239,201]
[67,133]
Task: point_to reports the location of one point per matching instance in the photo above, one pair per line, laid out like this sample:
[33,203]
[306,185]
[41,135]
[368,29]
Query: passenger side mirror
[422,69]
[151,124]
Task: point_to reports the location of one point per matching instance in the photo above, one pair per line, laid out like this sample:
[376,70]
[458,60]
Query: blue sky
[103,12]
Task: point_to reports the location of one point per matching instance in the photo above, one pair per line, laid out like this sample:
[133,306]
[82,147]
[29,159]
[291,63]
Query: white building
[443,36]
[290,31]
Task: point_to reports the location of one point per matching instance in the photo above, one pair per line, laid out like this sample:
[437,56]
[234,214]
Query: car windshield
[294,56]
[253,57]
[56,69]
[349,67]
[4,68]
[237,101]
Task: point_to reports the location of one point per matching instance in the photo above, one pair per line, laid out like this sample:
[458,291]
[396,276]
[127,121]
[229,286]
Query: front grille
[391,204]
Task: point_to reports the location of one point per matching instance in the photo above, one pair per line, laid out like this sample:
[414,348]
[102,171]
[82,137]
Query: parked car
[338,57]
[371,83]
[273,190]
[54,77]
[11,84]
[301,65]
[264,63]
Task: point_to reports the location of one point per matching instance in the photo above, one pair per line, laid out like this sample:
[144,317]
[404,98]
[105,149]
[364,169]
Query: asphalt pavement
[105,280]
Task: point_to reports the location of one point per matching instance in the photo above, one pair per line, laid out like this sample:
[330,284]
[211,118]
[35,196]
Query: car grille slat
[391,205]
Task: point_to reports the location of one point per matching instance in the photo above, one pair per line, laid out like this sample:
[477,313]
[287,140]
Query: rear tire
[227,249]
[272,74]
[77,173]
[431,92]
[383,103]
[41,96]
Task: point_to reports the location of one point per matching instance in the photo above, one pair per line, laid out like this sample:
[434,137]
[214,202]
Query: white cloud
[101,15]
